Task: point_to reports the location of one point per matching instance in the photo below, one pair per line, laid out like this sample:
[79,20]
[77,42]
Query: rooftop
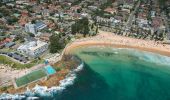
[32,45]
[37,45]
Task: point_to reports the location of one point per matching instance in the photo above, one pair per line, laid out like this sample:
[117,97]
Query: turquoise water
[50,70]
[120,74]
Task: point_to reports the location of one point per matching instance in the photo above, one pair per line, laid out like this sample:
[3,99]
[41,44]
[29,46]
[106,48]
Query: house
[6,1]
[24,13]
[22,21]
[156,22]
[110,10]
[108,21]
[128,6]
[5,41]
[3,21]
[33,28]
[93,8]
[33,48]
[45,12]
[168,35]
[2,46]
[45,37]
[75,8]
[9,44]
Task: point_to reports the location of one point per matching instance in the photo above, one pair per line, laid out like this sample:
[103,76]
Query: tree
[73,29]
[56,43]
[81,26]
[22,40]
[19,37]
[31,34]
[12,20]
[97,29]
[38,1]
[86,30]
[49,1]
[79,10]
[92,26]
[33,21]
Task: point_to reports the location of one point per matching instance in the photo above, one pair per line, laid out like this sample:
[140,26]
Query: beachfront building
[34,48]
[34,28]
[29,27]
[6,1]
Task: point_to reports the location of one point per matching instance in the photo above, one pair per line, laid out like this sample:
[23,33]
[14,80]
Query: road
[128,24]
[166,24]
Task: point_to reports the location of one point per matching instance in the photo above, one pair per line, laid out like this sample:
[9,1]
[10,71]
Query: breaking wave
[43,91]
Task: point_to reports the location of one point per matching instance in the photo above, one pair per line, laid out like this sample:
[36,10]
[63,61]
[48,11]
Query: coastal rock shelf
[42,91]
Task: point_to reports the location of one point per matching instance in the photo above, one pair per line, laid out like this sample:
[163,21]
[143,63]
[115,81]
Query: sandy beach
[110,39]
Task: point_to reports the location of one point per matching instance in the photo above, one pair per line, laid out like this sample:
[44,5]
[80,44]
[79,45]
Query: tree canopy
[56,43]
[81,26]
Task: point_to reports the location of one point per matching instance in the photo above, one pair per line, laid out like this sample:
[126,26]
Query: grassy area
[7,50]
[33,76]
[17,65]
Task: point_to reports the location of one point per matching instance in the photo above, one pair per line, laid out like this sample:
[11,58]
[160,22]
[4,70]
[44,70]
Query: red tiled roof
[156,22]
[110,10]
[5,41]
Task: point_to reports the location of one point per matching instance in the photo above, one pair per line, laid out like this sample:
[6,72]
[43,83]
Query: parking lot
[19,57]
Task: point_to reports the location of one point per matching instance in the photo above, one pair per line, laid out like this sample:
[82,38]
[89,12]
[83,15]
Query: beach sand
[110,39]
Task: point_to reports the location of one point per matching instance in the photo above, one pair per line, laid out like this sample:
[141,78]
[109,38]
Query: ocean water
[113,74]
[120,74]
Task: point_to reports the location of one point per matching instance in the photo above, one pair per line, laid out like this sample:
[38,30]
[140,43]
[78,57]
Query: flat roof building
[34,48]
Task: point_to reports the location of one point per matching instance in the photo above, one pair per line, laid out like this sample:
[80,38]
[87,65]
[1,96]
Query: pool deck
[50,70]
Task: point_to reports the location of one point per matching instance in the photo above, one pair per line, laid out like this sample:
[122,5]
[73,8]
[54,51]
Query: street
[128,24]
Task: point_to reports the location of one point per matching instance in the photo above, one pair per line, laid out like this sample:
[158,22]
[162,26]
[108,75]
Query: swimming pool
[50,70]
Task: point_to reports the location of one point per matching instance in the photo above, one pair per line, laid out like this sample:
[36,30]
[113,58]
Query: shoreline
[112,40]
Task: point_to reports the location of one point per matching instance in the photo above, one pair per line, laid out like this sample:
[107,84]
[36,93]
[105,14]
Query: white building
[34,28]
[34,48]
[6,1]
[30,28]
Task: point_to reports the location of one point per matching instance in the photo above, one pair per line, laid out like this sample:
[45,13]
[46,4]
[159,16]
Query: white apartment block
[30,28]
[34,48]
